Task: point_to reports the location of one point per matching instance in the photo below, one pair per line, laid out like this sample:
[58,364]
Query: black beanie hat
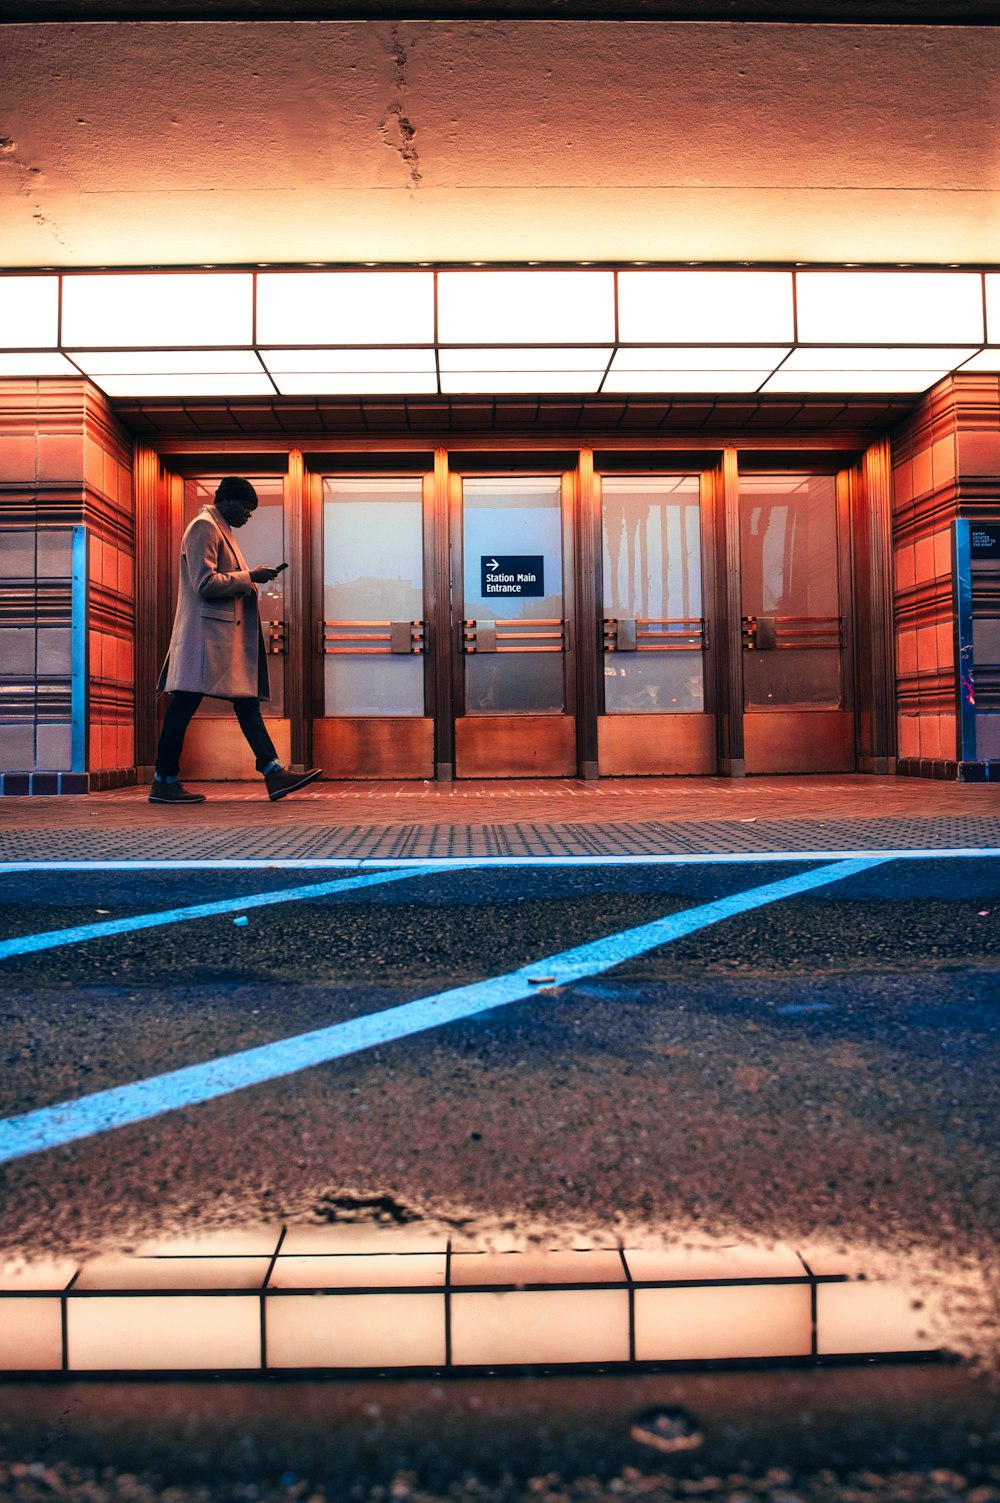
[235,488]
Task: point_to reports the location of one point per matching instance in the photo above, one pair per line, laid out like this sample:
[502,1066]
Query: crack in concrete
[29,179]
[395,127]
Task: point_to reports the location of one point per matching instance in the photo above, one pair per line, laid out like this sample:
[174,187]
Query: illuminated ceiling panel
[30,364]
[986,360]
[704,380]
[877,358]
[29,312]
[689,306]
[889,307]
[355,384]
[992,295]
[549,358]
[101,363]
[716,357]
[848,381]
[153,309]
[348,362]
[345,307]
[138,384]
[529,382]
[533,307]
[530,330]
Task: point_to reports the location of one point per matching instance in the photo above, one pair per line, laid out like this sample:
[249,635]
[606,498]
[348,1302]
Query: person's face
[236,513]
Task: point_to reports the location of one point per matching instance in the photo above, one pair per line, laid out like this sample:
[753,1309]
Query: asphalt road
[823,1069]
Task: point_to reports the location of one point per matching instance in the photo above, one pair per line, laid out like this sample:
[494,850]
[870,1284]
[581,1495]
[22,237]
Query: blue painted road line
[28,944]
[451,863]
[55,1126]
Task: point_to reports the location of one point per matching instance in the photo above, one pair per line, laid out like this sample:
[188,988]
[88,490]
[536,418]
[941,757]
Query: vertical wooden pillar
[585,629]
[299,612]
[153,603]
[871,531]
[442,633]
[729,617]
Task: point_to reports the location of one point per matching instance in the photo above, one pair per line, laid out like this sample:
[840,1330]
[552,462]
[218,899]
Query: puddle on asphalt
[373,1289]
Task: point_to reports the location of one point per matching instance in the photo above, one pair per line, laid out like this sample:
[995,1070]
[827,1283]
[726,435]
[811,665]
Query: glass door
[794,562]
[656,716]
[371,638]
[511,595]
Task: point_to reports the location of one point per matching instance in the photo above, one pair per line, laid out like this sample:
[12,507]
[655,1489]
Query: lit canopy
[368,330]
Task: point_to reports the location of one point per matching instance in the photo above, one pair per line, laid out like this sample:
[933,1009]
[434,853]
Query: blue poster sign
[513,574]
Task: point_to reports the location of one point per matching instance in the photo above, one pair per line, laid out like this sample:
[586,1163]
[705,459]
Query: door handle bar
[784,633]
[370,637]
[655,634]
[548,635]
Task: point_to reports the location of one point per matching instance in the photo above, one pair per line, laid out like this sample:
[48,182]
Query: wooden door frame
[835,730]
[661,744]
[560,729]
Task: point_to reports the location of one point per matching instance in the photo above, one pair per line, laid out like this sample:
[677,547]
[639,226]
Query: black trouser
[178,717]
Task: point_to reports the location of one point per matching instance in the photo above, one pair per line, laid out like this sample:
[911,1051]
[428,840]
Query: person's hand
[262,574]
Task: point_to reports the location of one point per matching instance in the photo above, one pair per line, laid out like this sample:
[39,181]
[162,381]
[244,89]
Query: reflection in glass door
[371,637]
[514,712]
[795,625]
[654,631]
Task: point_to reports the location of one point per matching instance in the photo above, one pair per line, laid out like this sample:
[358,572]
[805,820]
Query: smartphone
[278,568]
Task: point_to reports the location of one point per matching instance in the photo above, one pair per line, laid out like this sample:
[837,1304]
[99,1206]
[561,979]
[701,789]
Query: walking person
[217,646]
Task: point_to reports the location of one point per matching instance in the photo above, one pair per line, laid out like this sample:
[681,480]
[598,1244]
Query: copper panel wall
[799,741]
[515,746]
[65,461]
[374,748]
[656,744]
[946,464]
[215,751]
[870,489]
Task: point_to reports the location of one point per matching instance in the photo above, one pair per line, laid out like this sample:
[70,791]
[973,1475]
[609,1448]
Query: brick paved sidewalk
[559,817]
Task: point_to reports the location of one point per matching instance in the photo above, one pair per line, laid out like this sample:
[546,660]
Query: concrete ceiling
[165,143]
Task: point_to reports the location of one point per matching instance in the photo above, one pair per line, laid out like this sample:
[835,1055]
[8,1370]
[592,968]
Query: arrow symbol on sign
[493,564]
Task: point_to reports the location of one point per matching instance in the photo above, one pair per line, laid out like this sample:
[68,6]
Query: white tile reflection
[380,1270]
[237,1242]
[367,1330]
[863,1315]
[30,1335]
[732,1261]
[720,1322]
[350,1237]
[111,1273]
[163,1333]
[354,1297]
[51,1274]
[535,1267]
[540,1326]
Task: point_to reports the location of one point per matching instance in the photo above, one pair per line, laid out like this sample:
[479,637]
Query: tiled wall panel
[64,465]
[37,699]
[946,466]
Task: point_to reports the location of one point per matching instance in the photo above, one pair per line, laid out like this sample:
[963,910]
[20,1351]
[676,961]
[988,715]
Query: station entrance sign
[512,574]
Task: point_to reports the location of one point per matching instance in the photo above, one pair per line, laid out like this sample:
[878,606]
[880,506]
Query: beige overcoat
[216,646]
